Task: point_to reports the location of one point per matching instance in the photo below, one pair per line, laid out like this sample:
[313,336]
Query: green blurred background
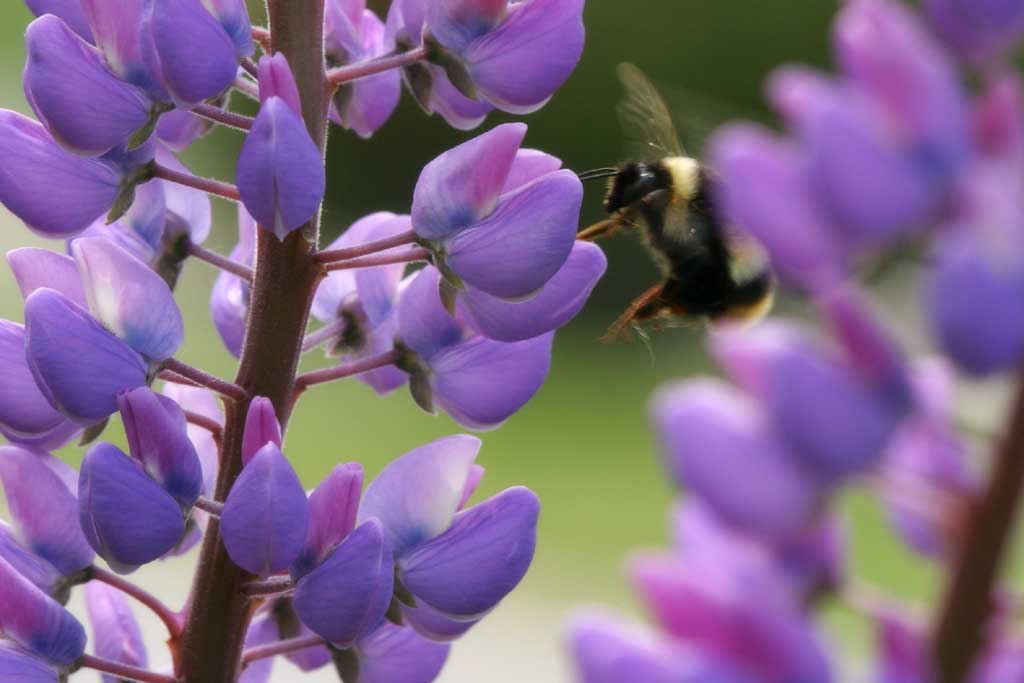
[583,443]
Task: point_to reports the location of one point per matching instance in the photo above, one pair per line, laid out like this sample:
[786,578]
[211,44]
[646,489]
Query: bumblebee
[709,271]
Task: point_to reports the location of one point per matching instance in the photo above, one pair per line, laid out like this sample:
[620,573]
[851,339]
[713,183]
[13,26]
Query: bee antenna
[596,173]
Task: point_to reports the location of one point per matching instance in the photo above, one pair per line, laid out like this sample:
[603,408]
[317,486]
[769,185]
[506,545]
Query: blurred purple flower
[35,622]
[229,300]
[116,634]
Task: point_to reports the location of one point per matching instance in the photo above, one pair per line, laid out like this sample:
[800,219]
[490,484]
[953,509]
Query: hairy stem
[204,379]
[959,632]
[207,423]
[348,370]
[223,116]
[208,185]
[406,256]
[218,261]
[131,673]
[281,647]
[170,618]
[368,248]
[286,275]
[353,72]
[211,506]
[272,586]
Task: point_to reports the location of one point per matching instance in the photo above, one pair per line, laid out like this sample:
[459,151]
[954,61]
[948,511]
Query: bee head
[633,182]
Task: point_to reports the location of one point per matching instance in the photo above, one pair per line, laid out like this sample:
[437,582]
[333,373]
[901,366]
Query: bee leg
[600,229]
[645,306]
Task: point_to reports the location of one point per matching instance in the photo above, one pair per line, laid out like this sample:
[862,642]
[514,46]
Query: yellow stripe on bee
[685,174]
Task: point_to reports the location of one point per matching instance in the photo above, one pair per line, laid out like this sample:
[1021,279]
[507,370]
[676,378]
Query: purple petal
[116,634]
[521,64]
[365,105]
[229,300]
[902,651]
[265,516]
[481,382]
[721,448]
[157,437]
[233,16]
[35,621]
[276,80]
[456,22]
[434,626]
[26,416]
[280,171]
[333,507]
[261,632]
[21,666]
[179,128]
[124,39]
[445,99]
[529,165]
[606,650]
[85,107]
[34,268]
[977,29]
[524,242]
[397,655]
[188,209]
[68,10]
[346,596]
[423,323]
[416,496]
[129,298]
[79,366]
[796,92]
[196,56]
[44,510]
[145,219]
[766,191]
[467,570]
[34,568]
[462,186]
[476,474]
[56,193]
[261,428]
[127,518]
[553,306]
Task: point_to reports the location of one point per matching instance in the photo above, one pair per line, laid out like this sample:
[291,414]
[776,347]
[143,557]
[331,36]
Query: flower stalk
[208,185]
[353,72]
[124,671]
[218,261]
[223,117]
[409,256]
[170,618]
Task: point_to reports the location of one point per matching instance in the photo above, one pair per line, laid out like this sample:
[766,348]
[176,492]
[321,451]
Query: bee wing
[645,116]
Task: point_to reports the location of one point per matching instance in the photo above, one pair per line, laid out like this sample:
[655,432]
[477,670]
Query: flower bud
[333,507]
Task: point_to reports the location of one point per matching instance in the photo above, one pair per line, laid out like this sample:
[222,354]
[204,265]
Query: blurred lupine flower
[229,299]
[128,518]
[280,170]
[459,564]
[57,193]
[605,650]
[977,30]
[364,301]
[478,381]
[85,107]
[354,34]
[35,622]
[45,542]
[427,82]
[68,10]
[266,514]
[480,43]
[505,241]
[116,634]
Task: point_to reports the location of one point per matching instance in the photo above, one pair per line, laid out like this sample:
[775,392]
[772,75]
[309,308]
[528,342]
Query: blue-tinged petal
[261,428]
[462,186]
[116,634]
[276,80]
[518,66]
[720,446]
[433,625]
[126,517]
[34,268]
[606,649]
[392,654]
[523,243]
[415,497]
[35,621]
[423,323]
[44,510]
[157,437]
[122,35]
[68,10]
[56,193]
[280,171]
[26,416]
[84,106]
[179,128]
[529,165]
[261,632]
[129,298]
[456,22]
[146,218]
[188,209]
[196,56]
[20,665]
[468,569]
[482,382]
[346,597]
[34,568]
[233,16]
[554,305]
[79,366]
[333,507]
[266,514]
